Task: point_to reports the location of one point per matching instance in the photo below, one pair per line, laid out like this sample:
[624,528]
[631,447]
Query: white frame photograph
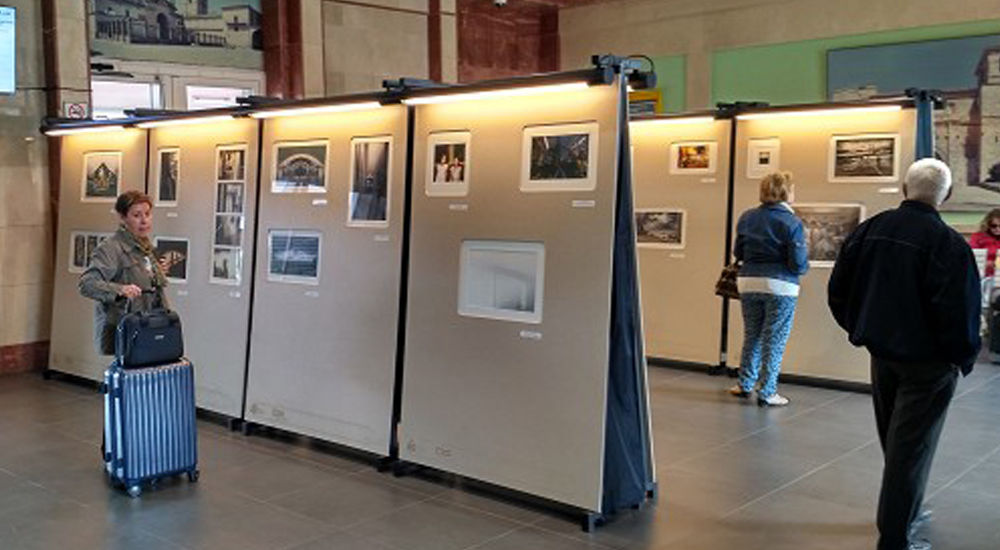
[447,189]
[294,279]
[755,148]
[659,243]
[351,222]
[711,152]
[99,235]
[310,188]
[237,270]
[187,257]
[118,161]
[839,238]
[588,183]
[834,157]
[158,200]
[218,158]
[471,288]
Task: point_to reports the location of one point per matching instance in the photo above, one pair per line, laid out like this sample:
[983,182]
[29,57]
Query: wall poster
[827,225]
[101,176]
[559,157]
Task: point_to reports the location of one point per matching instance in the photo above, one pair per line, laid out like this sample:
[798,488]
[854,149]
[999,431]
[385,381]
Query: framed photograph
[448,164]
[827,225]
[559,158]
[227,264]
[369,198]
[763,157]
[293,256]
[229,197]
[502,280]
[660,227]
[231,163]
[175,251]
[168,167]
[867,158]
[300,167]
[101,177]
[693,157]
[78,258]
[228,230]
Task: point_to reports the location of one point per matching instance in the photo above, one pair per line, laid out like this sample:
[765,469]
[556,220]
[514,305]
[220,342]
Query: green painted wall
[671,75]
[795,72]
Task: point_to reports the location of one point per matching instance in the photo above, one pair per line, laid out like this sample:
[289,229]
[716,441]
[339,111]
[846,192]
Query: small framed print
[228,230]
[293,256]
[227,264]
[229,197]
[448,155]
[660,228]
[370,168]
[175,251]
[827,226]
[300,167]
[864,158]
[763,157]
[231,163]
[502,280]
[102,174]
[82,246]
[168,166]
[693,157]
[559,158]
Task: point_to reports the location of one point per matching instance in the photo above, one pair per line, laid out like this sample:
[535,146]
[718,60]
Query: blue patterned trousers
[767,322]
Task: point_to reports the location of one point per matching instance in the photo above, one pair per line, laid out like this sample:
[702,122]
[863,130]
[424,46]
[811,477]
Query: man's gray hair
[928,180]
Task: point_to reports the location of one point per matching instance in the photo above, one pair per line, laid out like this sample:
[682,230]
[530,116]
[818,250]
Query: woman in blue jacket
[770,243]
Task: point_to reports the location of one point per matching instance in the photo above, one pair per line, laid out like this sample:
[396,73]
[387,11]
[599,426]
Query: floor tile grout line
[753,433]
[361,522]
[480,544]
[443,500]
[574,538]
[978,463]
[791,482]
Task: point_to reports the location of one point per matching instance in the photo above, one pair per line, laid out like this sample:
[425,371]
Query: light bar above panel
[835,111]
[84,130]
[490,94]
[674,120]
[184,121]
[318,109]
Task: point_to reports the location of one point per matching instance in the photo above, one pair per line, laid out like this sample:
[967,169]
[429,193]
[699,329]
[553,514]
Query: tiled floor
[731,476]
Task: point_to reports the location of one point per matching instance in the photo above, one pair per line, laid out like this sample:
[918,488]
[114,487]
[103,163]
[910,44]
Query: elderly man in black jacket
[906,287]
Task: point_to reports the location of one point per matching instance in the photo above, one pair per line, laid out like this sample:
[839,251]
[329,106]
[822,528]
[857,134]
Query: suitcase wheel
[193,476]
[134,491]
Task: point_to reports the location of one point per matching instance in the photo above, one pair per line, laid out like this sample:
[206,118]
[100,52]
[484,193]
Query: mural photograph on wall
[967,131]
[223,33]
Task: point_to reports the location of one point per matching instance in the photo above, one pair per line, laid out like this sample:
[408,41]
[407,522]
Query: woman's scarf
[146,247]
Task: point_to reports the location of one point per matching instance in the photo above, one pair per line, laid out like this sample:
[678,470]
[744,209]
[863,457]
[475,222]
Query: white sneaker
[774,400]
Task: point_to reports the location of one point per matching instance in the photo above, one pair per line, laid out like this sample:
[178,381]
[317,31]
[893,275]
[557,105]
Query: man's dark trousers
[911,401]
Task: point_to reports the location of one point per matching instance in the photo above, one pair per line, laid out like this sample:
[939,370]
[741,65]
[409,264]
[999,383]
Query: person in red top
[988,237]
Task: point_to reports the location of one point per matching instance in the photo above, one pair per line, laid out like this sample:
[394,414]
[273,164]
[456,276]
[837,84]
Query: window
[213,97]
[112,98]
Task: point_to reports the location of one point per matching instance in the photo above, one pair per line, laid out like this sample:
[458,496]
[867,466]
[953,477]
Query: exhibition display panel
[203,182]
[96,167]
[680,166]
[510,312]
[327,280]
[848,163]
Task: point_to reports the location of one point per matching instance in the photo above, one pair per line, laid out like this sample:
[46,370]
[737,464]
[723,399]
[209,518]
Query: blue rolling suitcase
[149,424]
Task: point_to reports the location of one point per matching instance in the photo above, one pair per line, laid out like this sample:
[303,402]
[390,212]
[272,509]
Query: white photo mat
[279,274]
[159,200]
[502,280]
[324,173]
[352,173]
[240,172]
[646,236]
[187,256]
[763,157]
[226,267]
[434,187]
[824,240]
[684,152]
[79,264]
[585,183]
[113,160]
[840,161]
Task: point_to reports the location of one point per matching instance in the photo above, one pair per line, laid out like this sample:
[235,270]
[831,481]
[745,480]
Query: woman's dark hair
[129,199]
[984,226]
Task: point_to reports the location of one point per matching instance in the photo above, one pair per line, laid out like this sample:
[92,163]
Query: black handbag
[150,337]
[726,286]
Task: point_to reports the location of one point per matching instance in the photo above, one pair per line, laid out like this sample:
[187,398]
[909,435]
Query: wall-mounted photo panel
[231,163]
[369,198]
[168,167]
[228,230]
[229,197]
[864,158]
[293,256]
[763,157]
[102,173]
[660,227]
[300,167]
[175,251]
[827,225]
[559,157]
[693,158]
[227,264]
[502,280]
[448,164]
